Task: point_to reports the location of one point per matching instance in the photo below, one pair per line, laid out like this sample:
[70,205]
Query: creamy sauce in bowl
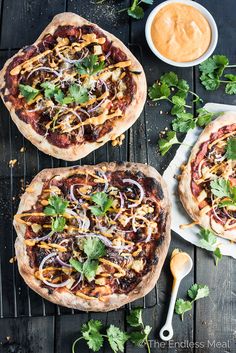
[180,32]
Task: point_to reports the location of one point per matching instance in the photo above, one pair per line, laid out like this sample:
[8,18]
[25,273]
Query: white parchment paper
[179,215]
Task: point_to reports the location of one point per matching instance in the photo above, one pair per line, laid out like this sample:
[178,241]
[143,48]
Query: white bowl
[204,12]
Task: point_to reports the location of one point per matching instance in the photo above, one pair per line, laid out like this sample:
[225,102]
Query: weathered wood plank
[27,335]
[28,19]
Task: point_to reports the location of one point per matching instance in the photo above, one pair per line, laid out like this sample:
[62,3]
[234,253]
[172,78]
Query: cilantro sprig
[208,241]
[90,65]
[135,10]
[95,334]
[103,203]
[221,188]
[28,92]
[140,335]
[56,208]
[91,333]
[94,249]
[176,91]
[212,72]
[195,292]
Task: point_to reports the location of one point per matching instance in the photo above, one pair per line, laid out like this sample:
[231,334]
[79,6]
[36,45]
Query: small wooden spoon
[180,266]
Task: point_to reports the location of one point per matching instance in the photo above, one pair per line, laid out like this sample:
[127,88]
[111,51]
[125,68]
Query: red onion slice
[142,193]
[62,262]
[54,285]
[44,68]
[122,202]
[44,237]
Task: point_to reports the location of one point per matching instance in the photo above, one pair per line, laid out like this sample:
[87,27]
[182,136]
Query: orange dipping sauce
[180,32]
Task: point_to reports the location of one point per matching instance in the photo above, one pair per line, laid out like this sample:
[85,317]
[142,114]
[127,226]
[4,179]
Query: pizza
[74,89]
[207,186]
[94,237]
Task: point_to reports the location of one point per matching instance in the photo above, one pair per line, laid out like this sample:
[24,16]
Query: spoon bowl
[180,266]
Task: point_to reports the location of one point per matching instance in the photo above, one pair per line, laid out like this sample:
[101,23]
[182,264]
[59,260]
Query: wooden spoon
[180,266]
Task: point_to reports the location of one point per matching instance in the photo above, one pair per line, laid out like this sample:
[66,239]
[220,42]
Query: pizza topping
[213,174]
[94,233]
[71,90]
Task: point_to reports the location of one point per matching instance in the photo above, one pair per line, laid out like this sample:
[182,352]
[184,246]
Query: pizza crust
[189,202]
[132,113]
[68,299]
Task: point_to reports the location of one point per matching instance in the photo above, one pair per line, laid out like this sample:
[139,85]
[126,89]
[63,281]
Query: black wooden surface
[29,324]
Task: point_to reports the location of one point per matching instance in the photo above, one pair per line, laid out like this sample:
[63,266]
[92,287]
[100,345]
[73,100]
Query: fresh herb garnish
[221,188]
[56,209]
[79,94]
[175,90]
[166,143]
[90,65]
[28,92]
[135,10]
[138,337]
[212,71]
[195,292]
[92,334]
[103,203]
[208,241]
[94,249]
[231,149]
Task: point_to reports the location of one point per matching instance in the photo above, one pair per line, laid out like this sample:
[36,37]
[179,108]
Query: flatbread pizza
[94,237]
[74,89]
[207,185]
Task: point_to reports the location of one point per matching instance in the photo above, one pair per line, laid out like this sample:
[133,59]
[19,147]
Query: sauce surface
[180,32]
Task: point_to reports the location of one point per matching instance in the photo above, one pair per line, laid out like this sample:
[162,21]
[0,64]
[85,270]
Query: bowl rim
[204,12]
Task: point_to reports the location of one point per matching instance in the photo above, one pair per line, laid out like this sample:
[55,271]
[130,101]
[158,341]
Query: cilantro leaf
[218,256]
[49,89]
[103,202]
[158,92]
[177,109]
[90,269]
[179,101]
[198,291]
[94,248]
[220,187]
[136,12]
[91,333]
[184,122]
[231,148]
[59,96]
[166,143]
[58,224]
[204,117]
[210,82]
[214,65]
[134,319]
[116,338]
[182,306]
[183,85]
[78,94]
[169,78]
[57,206]
[137,338]
[208,239]
[58,203]
[28,92]
[230,88]
[78,266]
[90,65]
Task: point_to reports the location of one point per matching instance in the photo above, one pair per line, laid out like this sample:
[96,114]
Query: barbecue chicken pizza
[74,89]
[93,237]
[208,183]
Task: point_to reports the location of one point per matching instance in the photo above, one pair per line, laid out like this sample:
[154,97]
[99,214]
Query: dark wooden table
[29,324]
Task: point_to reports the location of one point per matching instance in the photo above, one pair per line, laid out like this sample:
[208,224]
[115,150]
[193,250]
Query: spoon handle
[166,332]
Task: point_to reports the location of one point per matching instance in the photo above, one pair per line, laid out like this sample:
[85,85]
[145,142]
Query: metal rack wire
[16,298]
